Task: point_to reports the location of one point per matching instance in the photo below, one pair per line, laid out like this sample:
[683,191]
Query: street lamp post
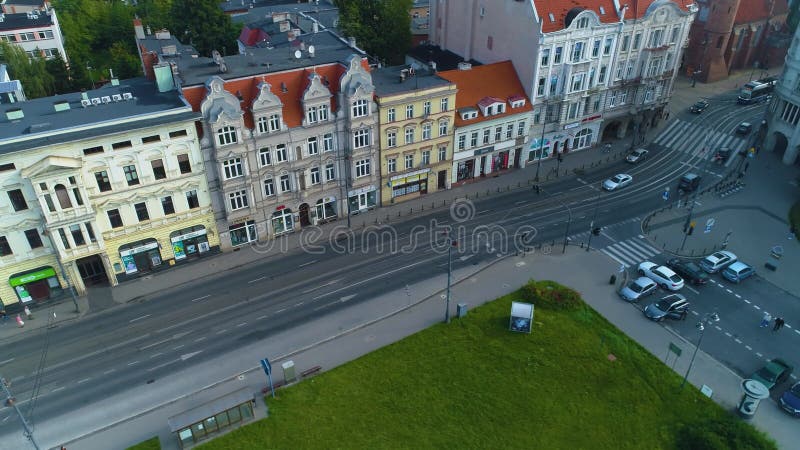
[450,244]
[708,319]
[594,217]
[11,401]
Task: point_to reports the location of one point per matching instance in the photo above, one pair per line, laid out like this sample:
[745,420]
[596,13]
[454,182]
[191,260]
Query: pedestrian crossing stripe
[694,139]
[630,252]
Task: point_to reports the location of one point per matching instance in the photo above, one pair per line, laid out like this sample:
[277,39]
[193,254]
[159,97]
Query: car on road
[636,156]
[773,373]
[673,306]
[690,271]
[716,261]
[738,271]
[699,106]
[790,400]
[618,181]
[638,288]
[662,275]
[744,128]
[689,182]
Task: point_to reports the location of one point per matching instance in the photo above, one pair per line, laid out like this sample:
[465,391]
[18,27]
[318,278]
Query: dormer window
[583,22]
[516,101]
[468,113]
[491,106]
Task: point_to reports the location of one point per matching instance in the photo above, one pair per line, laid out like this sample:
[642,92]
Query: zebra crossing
[692,139]
[631,252]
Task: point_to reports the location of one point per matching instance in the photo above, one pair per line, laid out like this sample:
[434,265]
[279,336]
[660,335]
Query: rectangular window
[5,249]
[426,131]
[311,146]
[327,142]
[596,48]
[557,56]
[151,139]
[390,115]
[17,200]
[553,85]
[572,111]
[426,108]
[274,122]
[330,174]
[121,145]
[262,124]
[315,178]
[177,133]
[521,128]
[409,111]
[264,157]
[237,200]
[409,161]
[311,114]
[362,168]
[63,236]
[114,218]
[655,38]
[674,36]
[183,163]
[486,134]
[443,104]
[612,100]
[544,61]
[158,169]
[391,139]
[103,183]
[34,239]
[391,165]
[473,139]
[141,211]
[601,78]
[167,206]
[130,175]
[322,110]
[192,200]
[426,158]
[540,86]
[637,39]
[77,235]
[462,141]
[607,47]
[626,41]
[442,153]
[360,108]
[509,131]
[269,187]
[232,168]
[498,134]
[443,128]
[226,135]
[577,81]
[46,34]
[7,167]
[286,186]
[280,153]
[90,231]
[361,138]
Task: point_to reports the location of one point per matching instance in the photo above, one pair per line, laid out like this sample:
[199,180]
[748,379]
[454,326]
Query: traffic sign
[709,225]
[665,195]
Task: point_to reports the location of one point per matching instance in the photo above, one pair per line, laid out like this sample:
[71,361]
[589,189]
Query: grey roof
[387,80]
[42,125]
[194,70]
[21,20]
[301,14]
[210,409]
[444,59]
[22,2]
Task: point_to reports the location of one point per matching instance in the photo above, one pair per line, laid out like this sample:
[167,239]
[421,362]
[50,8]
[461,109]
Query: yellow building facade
[417,111]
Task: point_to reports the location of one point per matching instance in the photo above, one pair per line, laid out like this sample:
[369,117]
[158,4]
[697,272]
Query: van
[689,182]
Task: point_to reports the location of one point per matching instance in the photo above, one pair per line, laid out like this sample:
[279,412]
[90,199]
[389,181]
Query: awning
[210,409]
[40,274]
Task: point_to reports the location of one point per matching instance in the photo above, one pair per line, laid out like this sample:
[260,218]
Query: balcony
[72,215]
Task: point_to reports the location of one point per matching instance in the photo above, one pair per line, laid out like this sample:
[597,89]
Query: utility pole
[594,217]
[12,401]
[450,244]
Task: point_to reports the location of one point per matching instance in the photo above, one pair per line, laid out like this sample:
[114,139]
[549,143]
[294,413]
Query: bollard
[519,184]
[498,189]
[487,192]
[411,211]
[422,207]
[704,250]
[663,246]
[433,205]
[444,202]
[387,217]
[613,279]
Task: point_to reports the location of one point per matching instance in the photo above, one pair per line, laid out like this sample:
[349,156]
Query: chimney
[149,59]
[351,41]
[433,65]
[315,27]
[138,29]
[464,66]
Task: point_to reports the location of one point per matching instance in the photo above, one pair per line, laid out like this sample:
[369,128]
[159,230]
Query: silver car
[636,156]
[618,181]
[717,260]
[638,288]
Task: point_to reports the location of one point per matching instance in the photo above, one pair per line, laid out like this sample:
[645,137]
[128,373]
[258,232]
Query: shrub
[720,435]
[551,295]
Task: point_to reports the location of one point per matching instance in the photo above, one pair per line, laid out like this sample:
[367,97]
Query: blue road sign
[268,370]
[665,195]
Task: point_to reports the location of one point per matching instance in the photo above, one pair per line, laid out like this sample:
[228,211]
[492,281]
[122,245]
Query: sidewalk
[396,321]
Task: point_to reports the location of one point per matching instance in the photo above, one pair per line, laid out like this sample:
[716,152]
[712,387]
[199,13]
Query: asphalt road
[137,344]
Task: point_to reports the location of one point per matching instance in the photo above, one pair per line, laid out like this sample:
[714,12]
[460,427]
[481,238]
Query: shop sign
[361,190]
[33,276]
[129,264]
[178,249]
[591,118]
[139,249]
[572,125]
[537,143]
[330,199]
[410,174]
[482,151]
[23,294]
[193,234]
[280,207]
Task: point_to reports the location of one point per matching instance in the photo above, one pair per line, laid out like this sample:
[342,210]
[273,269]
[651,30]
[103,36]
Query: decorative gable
[315,90]
[266,99]
[220,106]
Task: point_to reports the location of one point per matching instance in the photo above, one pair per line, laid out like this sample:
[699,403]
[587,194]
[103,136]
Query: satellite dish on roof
[297,54]
[311,50]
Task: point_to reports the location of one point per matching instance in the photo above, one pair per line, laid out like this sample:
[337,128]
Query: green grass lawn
[150,444]
[474,384]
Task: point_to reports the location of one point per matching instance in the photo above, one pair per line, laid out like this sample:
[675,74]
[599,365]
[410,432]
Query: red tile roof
[758,10]
[490,80]
[560,8]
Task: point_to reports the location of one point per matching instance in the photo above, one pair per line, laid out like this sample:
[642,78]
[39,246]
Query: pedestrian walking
[20,323]
[3,316]
[778,323]
[766,319]
[28,313]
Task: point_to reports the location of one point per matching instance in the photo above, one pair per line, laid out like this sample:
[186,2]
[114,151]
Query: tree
[203,24]
[31,72]
[381,27]
[57,68]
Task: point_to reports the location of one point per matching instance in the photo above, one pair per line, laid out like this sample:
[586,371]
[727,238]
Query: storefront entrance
[442,180]
[36,285]
[466,170]
[304,219]
[92,270]
[188,242]
[282,221]
[140,257]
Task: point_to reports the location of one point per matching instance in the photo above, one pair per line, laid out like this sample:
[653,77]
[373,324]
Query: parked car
[790,400]
[617,181]
[744,128]
[674,306]
[662,275]
[699,106]
[637,289]
[773,373]
[738,271]
[637,155]
[689,182]
[690,271]
[717,260]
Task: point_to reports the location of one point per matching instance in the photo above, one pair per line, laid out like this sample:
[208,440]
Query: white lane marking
[608,237]
[298,304]
[759,355]
[322,285]
[737,341]
[466,257]
[308,263]
[748,347]
[221,331]
[84,380]
[692,289]
[201,298]
[729,291]
[280,310]
[178,347]
[388,272]
[155,355]
[132,363]
[162,365]
[604,251]
[756,307]
[717,327]
[241,324]
[325,305]
[139,318]
[154,344]
[694,312]
[737,295]
[261,317]
[57,389]
[483,212]
[347,297]
[787,326]
[521,202]
[747,301]
[6,361]
[109,371]
[202,338]
[797,331]
[256,280]
[728,334]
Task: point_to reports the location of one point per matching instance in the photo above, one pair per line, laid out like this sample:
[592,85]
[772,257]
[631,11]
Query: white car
[662,275]
[716,261]
[637,155]
[617,181]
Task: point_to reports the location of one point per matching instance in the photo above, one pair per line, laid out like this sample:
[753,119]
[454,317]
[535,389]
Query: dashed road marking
[255,280]
[241,324]
[729,291]
[178,347]
[221,331]
[109,371]
[759,355]
[308,263]
[280,310]
[728,334]
[748,347]
[756,307]
[737,341]
[737,295]
[57,389]
[84,380]
[201,338]
[139,318]
[156,355]
[718,327]
[747,301]
[261,317]
[133,362]
[200,298]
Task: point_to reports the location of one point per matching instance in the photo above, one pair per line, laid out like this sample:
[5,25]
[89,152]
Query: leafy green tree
[57,68]
[203,24]
[155,13]
[31,72]
[381,27]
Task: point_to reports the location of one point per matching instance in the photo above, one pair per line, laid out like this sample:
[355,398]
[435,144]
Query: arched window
[582,139]
[63,196]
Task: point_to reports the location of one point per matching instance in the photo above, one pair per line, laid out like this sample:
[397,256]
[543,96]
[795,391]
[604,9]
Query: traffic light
[691,229]
[596,231]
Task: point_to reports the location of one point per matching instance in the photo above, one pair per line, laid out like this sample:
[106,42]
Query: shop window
[103,183]
[189,241]
[34,239]
[140,256]
[114,218]
[130,175]
[192,200]
[282,222]
[325,209]
[5,249]
[77,234]
[167,206]
[159,172]
[183,163]
[17,200]
[243,233]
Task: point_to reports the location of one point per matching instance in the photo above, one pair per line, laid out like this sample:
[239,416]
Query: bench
[310,371]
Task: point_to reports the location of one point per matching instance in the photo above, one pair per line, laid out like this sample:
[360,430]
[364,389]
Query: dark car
[673,306]
[699,107]
[790,400]
[773,373]
[690,271]
[744,128]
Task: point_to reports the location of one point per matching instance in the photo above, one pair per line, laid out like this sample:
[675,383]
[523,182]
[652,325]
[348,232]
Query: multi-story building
[492,120]
[108,184]
[591,67]
[417,112]
[288,132]
[34,30]
[783,114]
[10,90]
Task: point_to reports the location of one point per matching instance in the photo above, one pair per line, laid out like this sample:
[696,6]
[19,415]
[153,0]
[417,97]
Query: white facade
[490,146]
[783,115]
[37,32]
